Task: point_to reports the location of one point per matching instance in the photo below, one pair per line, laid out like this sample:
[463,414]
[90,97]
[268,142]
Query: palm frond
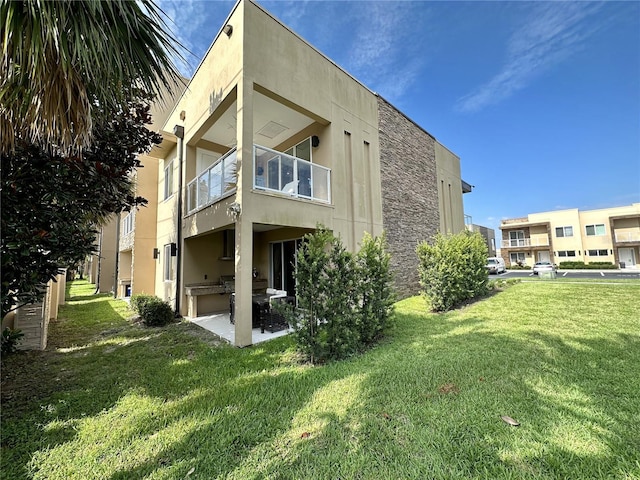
[59,57]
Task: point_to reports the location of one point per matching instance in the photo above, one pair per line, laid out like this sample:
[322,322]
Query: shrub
[139,300]
[344,300]
[586,266]
[374,288]
[453,269]
[518,267]
[10,340]
[153,311]
[501,283]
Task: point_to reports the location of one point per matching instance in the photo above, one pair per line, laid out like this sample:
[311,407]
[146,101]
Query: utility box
[547,275]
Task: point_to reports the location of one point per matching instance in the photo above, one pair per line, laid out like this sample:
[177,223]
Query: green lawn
[114,400]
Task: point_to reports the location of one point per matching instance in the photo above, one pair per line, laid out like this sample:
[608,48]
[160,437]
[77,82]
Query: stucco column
[62,281]
[244,226]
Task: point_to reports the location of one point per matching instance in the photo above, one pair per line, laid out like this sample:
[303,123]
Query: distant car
[496,265]
[544,267]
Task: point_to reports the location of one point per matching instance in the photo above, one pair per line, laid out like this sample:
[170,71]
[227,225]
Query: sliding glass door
[283,261]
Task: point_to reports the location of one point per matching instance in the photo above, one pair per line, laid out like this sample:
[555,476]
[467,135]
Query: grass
[114,400]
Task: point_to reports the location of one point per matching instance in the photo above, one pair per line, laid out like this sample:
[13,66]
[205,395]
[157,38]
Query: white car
[544,267]
[496,265]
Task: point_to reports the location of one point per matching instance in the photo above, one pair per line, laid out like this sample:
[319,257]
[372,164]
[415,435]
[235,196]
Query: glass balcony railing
[280,173]
[525,242]
[622,237]
[217,181]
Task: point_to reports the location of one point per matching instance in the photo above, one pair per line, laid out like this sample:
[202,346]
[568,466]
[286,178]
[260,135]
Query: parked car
[544,267]
[496,265]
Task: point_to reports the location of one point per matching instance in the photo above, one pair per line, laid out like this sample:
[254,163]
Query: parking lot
[578,274]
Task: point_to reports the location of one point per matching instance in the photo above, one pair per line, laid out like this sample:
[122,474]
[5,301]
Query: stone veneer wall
[410,212]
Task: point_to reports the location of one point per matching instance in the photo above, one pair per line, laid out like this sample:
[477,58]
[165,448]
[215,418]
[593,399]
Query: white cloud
[384,51]
[190,23]
[552,32]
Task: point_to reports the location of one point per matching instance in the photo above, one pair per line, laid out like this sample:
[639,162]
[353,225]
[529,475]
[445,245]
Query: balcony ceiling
[273,123]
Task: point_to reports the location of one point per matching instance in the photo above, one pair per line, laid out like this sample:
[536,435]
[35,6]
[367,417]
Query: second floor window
[597,229]
[564,231]
[516,238]
[168,180]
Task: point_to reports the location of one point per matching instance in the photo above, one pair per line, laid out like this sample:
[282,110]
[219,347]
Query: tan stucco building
[270,139]
[604,235]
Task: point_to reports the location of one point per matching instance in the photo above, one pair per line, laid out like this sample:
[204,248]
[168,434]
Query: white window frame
[517,257]
[519,240]
[595,230]
[127,223]
[293,151]
[567,253]
[598,252]
[565,231]
[168,264]
[168,180]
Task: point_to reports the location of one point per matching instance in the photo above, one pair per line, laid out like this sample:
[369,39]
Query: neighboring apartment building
[489,235]
[269,140]
[100,267]
[605,235]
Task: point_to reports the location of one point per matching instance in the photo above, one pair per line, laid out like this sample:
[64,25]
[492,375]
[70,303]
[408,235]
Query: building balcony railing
[622,237]
[217,181]
[284,174]
[525,242]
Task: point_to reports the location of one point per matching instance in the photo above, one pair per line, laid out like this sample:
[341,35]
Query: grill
[228,282]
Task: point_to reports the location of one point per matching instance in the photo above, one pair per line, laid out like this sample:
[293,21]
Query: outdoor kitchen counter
[194,290]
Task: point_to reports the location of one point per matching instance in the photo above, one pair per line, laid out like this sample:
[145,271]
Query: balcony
[525,242]
[283,174]
[622,237]
[217,181]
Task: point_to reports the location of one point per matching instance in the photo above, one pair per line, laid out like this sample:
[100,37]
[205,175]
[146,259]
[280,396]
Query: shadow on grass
[425,404]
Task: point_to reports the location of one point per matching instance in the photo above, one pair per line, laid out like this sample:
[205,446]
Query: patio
[220,324]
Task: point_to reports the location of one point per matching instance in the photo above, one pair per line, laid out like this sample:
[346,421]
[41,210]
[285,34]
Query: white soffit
[273,123]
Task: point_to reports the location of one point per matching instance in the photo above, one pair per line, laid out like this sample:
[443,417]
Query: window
[168,180]
[564,231]
[517,258]
[168,264]
[516,238]
[283,261]
[301,150]
[567,253]
[598,253]
[127,224]
[597,229]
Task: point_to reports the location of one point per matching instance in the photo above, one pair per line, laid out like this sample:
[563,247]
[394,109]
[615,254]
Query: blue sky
[541,100]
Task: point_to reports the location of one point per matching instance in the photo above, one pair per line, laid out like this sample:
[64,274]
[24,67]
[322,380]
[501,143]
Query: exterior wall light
[228,30]
[234,210]
[156,253]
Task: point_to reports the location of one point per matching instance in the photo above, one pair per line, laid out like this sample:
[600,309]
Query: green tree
[374,287]
[51,204]
[453,269]
[344,300]
[66,62]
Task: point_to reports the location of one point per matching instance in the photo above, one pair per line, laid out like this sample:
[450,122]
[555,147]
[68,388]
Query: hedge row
[453,269]
[587,266]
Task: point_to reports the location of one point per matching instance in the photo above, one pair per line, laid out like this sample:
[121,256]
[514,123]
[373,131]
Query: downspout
[116,276]
[178,131]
